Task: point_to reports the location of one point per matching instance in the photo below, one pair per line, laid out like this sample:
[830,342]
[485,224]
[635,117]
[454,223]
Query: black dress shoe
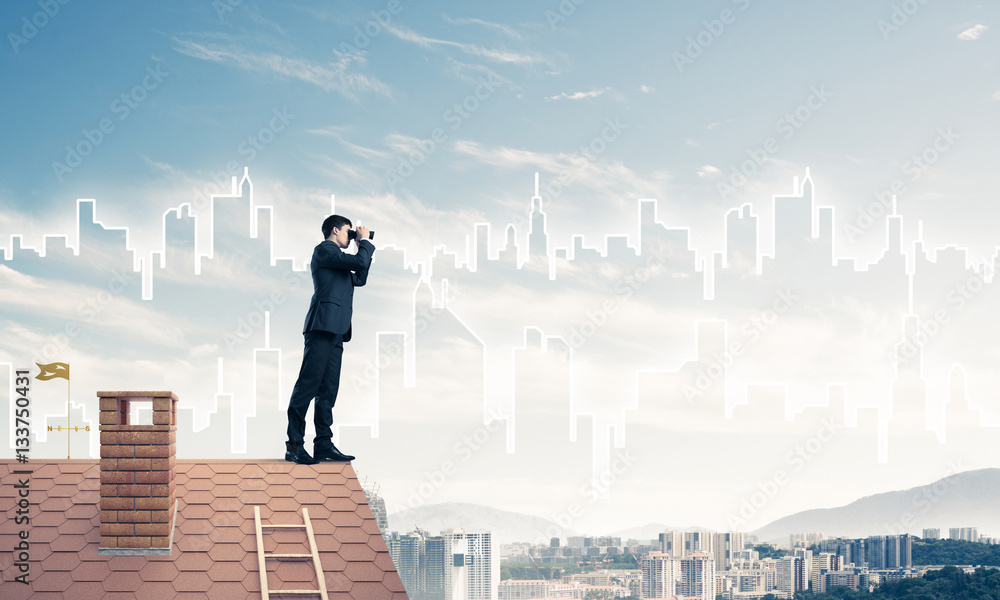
[331,453]
[299,455]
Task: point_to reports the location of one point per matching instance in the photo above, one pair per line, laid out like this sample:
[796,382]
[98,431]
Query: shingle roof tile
[122,581]
[348,535]
[92,571]
[363,571]
[57,581]
[226,589]
[158,571]
[252,472]
[226,504]
[222,553]
[193,484]
[193,561]
[292,570]
[215,546]
[63,561]
[192,543]
[356,553]
[227,571]
[192,581]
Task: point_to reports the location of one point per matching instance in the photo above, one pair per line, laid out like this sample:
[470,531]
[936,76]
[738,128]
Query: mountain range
[966,499]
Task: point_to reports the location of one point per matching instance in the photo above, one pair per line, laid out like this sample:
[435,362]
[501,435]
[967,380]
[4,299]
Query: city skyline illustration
[688,263]
[588,368]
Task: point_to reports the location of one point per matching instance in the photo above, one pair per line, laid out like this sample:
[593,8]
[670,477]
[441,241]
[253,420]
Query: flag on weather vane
[60,370]
[53,370]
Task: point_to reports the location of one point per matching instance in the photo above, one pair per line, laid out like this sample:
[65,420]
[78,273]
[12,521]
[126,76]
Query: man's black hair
[332,222]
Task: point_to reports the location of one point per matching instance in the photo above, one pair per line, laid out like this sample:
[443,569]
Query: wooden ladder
[313,554]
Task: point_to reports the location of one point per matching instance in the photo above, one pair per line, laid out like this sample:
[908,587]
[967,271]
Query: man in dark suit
[328,325]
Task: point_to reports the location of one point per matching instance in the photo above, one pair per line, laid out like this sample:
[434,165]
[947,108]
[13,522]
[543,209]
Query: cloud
[708,171]
[502,56]
[580,95]
[592,173]
[335,76]
[473,74]
[404,144]
[346,173]
[362,151]
[972,34]
[712,126]
[259,19]
[91,307]
[645,89]
[504,29]
[996,95]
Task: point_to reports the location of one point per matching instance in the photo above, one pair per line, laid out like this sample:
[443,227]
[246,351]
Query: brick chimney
[138,464]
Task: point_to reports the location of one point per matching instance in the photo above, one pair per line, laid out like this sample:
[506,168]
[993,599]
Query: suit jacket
[335,274]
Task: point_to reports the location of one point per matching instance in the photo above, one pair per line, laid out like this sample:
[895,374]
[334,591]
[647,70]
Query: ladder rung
[314,555]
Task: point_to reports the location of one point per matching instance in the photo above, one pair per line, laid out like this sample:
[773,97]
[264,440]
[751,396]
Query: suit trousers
[319,377]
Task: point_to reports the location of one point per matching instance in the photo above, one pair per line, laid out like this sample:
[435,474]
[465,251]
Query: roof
[214,552]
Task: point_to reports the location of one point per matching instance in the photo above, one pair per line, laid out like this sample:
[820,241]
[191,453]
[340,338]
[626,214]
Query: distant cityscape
[704,565]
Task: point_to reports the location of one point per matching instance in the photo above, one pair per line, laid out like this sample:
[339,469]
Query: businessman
[335,274]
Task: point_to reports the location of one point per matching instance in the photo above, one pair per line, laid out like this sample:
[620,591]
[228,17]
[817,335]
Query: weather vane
[61,370]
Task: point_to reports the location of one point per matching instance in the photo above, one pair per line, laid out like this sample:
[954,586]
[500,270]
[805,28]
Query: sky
[422,121]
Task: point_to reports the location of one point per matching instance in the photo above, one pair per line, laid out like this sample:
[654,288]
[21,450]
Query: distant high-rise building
[807,562]
[791,575]
[698,541]
[875,550]
[746,555]
[889,551]
[900,552]
[698,576]
[474,556]
[377,505]
[437,562]
[854,553]
[969,534]
[392,542]
[410,561]
[725,546]
[931,534]
[831,545]
[805,539]
[456,576]
[823,563]
[659,575]
[672,543]
[529,589]
[850,579]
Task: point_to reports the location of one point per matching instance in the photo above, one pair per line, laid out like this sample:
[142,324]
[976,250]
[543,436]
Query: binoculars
[352,234]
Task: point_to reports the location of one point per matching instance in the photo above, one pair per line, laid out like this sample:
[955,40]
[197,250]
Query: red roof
[214,552]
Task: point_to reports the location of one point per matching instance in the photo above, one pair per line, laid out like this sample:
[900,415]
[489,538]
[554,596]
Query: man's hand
[362,233]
